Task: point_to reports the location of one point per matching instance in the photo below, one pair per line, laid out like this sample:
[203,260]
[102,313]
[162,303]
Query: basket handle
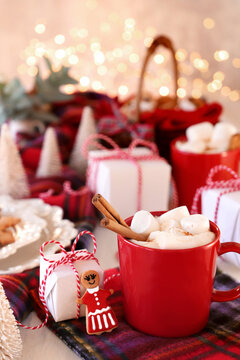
[167,43]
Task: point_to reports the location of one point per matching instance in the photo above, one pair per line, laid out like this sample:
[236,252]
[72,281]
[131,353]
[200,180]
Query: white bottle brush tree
[10,340]
[86,128]
[13,179]
[50,162]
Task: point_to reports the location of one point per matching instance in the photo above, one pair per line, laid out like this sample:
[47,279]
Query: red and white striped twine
[119,154]
[67,258]
[230,185]
[68,189]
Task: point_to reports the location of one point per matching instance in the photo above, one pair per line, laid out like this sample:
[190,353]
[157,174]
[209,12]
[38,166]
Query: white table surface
[43,344]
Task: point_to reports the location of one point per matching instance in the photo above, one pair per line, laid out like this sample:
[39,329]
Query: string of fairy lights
[105,67]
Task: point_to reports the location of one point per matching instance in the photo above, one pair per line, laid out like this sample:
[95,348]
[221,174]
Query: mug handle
[234,293]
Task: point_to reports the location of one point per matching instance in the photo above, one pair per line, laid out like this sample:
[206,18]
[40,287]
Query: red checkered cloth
[159,125]
[17,288]
[219,340]
[109,120]
[69,113]
[117,123]
[67,191]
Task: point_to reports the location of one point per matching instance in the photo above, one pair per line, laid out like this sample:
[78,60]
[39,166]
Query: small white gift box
[117,179]
[228,217]
[61,286]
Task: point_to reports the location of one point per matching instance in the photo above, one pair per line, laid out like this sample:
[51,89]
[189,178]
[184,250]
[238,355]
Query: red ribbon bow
[67,258]
[230,185]
[118,153]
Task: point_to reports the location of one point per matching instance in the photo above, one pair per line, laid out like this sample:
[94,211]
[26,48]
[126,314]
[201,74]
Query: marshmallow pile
[175,229]
[207,138]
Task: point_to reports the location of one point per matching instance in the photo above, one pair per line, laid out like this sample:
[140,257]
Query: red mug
[168,292]
[190,170]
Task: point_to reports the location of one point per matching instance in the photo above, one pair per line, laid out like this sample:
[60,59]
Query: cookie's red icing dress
[100,315]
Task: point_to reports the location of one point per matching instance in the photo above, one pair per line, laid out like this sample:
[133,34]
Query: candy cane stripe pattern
[67,258]
[126,155]
[230,185]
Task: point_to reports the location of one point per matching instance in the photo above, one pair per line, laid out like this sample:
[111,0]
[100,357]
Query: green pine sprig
[16,103]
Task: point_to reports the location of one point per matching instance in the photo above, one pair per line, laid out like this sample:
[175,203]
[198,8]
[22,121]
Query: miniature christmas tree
[13,180]
[87,127]
[50,161]
[10,340]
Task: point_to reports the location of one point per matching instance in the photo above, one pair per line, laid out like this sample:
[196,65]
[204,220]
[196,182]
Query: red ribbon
[117,153]
[230,185]
[67,258]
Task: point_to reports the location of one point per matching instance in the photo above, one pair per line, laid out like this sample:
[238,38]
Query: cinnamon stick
[97,203]
[234,142]
[106,209]
[122,230]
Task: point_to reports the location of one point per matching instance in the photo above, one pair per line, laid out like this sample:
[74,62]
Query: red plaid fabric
[77,205]
[159,125]
[75,202]
[17,288]
[218,341]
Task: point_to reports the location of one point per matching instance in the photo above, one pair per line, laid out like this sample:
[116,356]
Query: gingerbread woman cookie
[99,315]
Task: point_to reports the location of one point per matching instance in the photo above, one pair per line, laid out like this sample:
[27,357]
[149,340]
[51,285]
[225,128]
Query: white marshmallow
[202,131]
[166,240]
[172,226]
[219,144]
[168,224]
[175,214]
[146,105]
[221,135]
[187,105]
[178,231]
[150,244]
[143,222]
[192,146]
[216,150]
[162,239]
[195,224]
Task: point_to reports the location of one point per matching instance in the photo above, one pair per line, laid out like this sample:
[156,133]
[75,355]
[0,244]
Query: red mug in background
[168,292]
[190,170]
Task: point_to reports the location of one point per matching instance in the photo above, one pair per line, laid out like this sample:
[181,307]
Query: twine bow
[67,258]
[119,154]
[230,185]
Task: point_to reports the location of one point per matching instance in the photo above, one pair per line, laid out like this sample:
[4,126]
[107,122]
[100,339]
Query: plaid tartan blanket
[219,340]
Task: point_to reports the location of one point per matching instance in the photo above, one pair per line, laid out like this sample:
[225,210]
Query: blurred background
[104,41]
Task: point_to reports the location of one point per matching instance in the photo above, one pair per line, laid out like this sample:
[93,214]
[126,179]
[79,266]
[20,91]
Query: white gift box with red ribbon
[228,217]
[130,179]
[220,201]
[60,280]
